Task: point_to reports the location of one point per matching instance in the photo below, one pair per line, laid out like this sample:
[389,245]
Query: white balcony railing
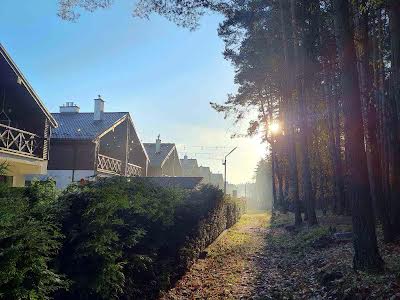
[133,170]
[18,141]
[109,165]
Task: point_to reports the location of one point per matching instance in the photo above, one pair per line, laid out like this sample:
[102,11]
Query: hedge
[116,238]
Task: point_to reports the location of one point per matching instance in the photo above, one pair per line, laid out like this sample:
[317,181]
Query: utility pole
[224,163]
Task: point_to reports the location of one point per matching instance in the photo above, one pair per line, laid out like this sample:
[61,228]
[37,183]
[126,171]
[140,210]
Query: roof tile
[82,126]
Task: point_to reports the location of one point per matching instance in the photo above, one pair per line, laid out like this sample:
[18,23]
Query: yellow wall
[19,166]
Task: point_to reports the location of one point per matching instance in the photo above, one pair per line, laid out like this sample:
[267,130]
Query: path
[230,269]
[257,260]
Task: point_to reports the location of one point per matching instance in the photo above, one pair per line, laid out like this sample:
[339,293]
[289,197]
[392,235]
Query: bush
[113,230]
[29,241]
[122,239]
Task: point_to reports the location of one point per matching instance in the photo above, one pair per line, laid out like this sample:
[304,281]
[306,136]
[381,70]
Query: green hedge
[115,238]
[29,241]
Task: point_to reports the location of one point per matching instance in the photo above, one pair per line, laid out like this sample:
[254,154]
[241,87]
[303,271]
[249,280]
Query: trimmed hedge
[112,239]
[29,241]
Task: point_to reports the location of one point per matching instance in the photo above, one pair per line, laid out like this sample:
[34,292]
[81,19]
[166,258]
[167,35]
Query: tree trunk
[366,254]
[293,173]
[273,175]
[394,22]
[374,154]
[298,58]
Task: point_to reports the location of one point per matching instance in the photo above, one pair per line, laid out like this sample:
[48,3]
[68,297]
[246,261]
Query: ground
[261,257]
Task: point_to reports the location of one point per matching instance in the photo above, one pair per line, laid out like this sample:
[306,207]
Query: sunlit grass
[237,239]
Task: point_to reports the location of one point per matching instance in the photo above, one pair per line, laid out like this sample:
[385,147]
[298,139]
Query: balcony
[20,142]
[112,166]
[109,165]
[133,170]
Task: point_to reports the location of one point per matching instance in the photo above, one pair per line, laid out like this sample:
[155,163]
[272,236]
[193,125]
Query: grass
[222,274]
[237,239]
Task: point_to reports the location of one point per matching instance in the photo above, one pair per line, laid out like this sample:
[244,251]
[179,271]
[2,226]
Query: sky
[165,76]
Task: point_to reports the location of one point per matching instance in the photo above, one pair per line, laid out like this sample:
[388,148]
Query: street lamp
[224,163]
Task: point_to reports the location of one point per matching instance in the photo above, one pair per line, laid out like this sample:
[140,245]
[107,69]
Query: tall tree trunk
[380,199]
[299,60]
[334,148]
[382,105]
[394,22]
[293,173]
[339,166]
[305,67]
[281,201]
[273,176]
[366,254]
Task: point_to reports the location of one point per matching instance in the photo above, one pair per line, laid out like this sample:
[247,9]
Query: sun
[274,127]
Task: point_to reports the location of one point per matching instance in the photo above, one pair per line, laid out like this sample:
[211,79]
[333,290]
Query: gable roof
[158,159]
[25,82]
[187,183]
[82,126]
[189,163]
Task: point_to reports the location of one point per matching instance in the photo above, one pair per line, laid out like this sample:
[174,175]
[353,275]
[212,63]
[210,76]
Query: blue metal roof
[81,126]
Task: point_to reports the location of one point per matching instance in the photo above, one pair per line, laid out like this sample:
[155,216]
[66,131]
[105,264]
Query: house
[205,172]
[190,168]
[25,125]
[164,160]
[217,180]
[186,183]
[94,144]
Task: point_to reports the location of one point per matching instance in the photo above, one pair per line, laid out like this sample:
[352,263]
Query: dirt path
[229,271]
[257,260]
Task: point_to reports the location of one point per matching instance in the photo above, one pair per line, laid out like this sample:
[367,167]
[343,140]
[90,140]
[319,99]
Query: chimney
[98,109]
[158,144]
[69,107]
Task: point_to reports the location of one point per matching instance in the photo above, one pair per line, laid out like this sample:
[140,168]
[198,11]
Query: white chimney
[98,109]
[69,107]
[158,144]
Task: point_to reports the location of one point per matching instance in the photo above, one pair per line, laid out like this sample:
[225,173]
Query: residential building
[164,159]
[186,183]
[25,125]
[190,168]
[205,172]
[94,144]
[217,180]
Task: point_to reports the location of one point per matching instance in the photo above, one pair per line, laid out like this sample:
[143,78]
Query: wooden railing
[19,141]
[109,165]
[133,170]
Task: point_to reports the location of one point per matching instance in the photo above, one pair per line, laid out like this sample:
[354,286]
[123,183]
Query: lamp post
[224,163]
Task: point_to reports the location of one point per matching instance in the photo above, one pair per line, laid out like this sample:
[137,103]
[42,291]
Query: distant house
[25,125]
[99,143]
[190,168]
[205,172]
[186,183]
[164,160]
[217,180]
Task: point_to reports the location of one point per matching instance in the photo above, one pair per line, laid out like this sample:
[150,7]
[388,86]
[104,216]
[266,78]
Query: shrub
[113,229]
[29,241]
[122,238]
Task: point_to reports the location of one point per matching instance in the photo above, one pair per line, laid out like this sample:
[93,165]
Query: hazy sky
[163,75]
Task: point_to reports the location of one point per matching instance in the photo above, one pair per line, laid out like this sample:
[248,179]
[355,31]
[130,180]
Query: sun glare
[274,127]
